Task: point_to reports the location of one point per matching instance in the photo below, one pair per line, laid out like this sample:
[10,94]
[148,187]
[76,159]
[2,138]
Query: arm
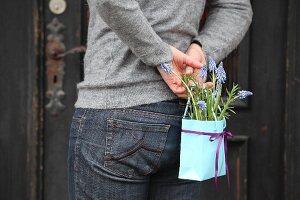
[126,19]
[225,26]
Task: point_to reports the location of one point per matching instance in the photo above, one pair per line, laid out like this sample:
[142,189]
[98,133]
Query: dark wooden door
[62,32]
[19,102]
[256,155]
[37,101]
[263,119]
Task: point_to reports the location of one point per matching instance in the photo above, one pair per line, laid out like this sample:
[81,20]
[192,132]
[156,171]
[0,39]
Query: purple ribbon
[220,137]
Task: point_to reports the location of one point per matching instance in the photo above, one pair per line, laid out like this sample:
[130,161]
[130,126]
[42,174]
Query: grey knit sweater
[127,38]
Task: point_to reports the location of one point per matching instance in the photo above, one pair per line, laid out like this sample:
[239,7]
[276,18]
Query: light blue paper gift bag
[200,141]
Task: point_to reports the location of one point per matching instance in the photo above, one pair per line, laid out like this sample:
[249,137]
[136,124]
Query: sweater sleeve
[127,20]
[225,27]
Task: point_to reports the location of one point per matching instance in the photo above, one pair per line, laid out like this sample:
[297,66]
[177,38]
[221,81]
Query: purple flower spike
[203,72]
[244,94]
[218,91]
[166,67]
[211,64]
[202,105]
[220,74]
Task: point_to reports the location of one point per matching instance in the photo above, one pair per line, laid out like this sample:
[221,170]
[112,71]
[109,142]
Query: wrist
[195,47]
[197,43]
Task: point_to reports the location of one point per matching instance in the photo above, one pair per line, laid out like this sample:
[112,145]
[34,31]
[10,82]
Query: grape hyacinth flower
[207,104]
[220,73]
[166,67]
[218,90]
[202,105]
[211,64]
[203,72]
[244,94]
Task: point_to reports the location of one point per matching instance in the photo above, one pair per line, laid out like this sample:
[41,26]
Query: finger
[209,85]
[189,61]
[178,90]
[196,72]
[176,81]
[201,80]
[182,96]
[191,83]
[206,85]
[189,70]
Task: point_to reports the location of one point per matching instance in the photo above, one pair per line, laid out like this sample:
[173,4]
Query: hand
[196,52]
[178,62]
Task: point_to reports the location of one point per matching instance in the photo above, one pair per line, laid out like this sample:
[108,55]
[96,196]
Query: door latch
[55,53]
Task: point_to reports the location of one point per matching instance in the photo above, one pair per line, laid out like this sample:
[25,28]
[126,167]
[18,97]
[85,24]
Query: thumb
[189,61]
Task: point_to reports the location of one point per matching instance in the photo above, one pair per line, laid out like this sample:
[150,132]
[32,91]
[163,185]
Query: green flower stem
[217,102]
[224,109]
[230,99]
[190,92]
[213,77]
[209,104]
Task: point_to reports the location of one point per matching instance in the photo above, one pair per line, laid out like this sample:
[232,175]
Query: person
[125,133]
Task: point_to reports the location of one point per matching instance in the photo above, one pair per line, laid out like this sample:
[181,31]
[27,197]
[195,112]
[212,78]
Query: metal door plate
[57,6]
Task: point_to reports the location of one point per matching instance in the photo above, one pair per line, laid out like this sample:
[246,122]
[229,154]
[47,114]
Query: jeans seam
[149,114]
[108,138]
[162,145]
[76,150]
[118,123]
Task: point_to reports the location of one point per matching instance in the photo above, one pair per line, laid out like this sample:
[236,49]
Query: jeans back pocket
[133,149]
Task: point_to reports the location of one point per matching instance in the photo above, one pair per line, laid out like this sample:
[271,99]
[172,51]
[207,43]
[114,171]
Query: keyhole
[54,79]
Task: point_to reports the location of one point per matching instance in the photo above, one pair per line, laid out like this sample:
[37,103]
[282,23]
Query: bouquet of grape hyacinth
[203,150]
[206,104]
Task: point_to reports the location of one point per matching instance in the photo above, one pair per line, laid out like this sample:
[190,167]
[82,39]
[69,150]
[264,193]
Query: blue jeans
[129,153]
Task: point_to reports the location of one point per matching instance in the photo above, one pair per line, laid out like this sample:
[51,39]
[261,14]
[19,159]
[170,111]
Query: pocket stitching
[109,140]
[129,125]
[148,114]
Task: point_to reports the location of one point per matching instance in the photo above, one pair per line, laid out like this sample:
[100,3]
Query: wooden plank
[264,119]
[19,102]
[292,107]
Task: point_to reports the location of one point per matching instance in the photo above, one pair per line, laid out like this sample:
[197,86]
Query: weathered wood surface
[292,106]
[263,121]
[19,104]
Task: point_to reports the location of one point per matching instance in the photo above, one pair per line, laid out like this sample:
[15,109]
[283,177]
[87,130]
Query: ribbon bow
[220,137]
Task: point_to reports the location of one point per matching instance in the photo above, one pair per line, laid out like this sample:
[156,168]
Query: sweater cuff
[196,42]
